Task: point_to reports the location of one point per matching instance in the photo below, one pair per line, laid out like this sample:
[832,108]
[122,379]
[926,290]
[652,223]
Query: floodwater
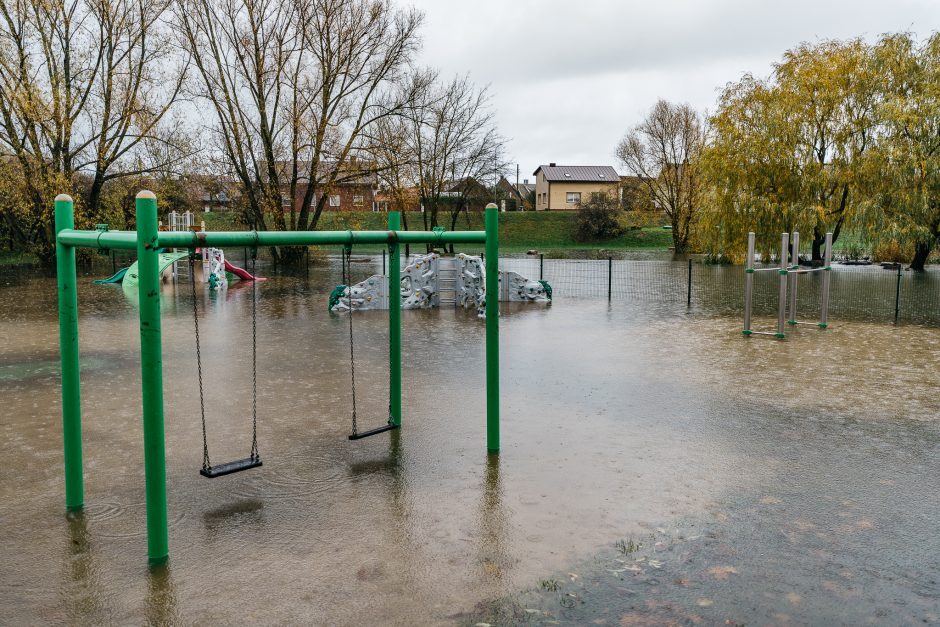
[750,480]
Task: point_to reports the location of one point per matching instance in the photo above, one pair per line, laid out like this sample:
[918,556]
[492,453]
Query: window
[573,198]
[358,201]
[598,196]
[334,200]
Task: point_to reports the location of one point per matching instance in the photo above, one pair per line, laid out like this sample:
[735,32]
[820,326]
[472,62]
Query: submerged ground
[656,468]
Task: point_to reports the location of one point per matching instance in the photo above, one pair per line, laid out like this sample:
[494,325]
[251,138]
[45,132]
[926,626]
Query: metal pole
[688,298]
[782,298]
[541,266]
[492,328]
[151,377]
[610,276]
[383,262]
[827,275]
[794,276]
[394,323]
[68,351]
[897,297]
[113,263]
[748,282]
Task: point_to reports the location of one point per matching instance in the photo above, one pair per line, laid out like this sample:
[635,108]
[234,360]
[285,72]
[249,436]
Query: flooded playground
[656,467]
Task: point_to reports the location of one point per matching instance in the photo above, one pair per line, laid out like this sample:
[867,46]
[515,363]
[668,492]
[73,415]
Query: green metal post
[394,323]
[492,328]
[151,370]
[68,351]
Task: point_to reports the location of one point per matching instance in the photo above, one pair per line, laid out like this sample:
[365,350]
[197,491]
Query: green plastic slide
[166,260]
[117,277]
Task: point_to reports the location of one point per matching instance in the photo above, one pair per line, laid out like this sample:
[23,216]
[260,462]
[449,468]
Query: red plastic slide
[244,275]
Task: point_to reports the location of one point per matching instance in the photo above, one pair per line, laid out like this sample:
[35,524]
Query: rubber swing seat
[229,467]
[376,431]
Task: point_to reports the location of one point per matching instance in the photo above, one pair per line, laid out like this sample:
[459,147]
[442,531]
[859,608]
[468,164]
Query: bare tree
[664,150]
[294,87]
[454,141]
[82,84]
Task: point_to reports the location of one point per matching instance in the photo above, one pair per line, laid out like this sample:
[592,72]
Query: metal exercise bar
[827,274]
[794,273]
[748,283]
[782,308]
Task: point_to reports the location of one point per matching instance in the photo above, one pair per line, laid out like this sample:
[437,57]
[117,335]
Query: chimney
[525,181]
[551,165]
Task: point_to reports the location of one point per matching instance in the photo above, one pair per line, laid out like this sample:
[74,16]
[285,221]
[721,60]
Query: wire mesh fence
[869,293]
[864,293]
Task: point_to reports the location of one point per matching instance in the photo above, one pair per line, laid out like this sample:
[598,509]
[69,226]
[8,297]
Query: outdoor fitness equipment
[788,274]
[147,240]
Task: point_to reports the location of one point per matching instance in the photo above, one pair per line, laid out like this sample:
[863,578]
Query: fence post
[688,298]
[897,297]
[541,266]
[610,277]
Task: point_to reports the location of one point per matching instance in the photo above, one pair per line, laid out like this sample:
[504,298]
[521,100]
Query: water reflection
[494,524]
[83,597]
[161,597]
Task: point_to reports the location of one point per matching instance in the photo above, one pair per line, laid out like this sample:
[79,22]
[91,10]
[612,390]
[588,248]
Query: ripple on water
[132,518]
[294,475]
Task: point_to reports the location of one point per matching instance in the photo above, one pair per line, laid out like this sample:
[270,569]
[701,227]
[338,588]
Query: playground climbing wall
[431,281]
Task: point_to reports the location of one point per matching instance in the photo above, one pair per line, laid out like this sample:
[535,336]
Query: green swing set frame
[147,241]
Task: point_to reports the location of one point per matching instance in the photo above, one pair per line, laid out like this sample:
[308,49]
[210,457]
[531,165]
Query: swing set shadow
[147,240]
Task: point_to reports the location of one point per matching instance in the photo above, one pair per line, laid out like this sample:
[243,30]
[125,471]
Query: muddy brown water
[618,420]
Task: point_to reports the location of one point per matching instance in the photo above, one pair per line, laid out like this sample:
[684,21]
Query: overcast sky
[569,77]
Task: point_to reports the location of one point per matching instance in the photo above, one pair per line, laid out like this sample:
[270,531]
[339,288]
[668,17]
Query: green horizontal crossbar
[120,240]
[127,240]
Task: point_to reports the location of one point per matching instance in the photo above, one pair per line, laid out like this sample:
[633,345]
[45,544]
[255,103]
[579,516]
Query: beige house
[560,187]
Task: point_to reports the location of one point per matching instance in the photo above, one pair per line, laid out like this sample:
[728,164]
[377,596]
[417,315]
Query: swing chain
[254,358]
[347,272]
[206,465]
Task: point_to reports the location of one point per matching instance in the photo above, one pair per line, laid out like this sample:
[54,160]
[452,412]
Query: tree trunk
[680,241]
[921,252]
[404,226]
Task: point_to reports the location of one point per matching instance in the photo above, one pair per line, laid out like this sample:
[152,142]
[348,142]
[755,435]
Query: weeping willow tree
[902,172]
[787,152]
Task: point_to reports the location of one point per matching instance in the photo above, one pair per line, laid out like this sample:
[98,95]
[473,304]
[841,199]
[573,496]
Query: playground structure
[148,240]
[432,281]
[215,268]
[789,277]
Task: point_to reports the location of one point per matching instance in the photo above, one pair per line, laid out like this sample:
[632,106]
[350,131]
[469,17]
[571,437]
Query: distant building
[519,193]
[356,187]
[561,187]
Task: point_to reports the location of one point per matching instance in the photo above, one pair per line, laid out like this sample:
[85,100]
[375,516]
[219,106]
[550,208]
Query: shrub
[600,219]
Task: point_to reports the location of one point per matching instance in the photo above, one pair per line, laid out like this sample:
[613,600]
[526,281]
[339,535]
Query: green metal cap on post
[68,352]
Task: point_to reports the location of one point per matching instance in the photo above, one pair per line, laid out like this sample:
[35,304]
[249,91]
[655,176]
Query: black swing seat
[376,431]
[229,467]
